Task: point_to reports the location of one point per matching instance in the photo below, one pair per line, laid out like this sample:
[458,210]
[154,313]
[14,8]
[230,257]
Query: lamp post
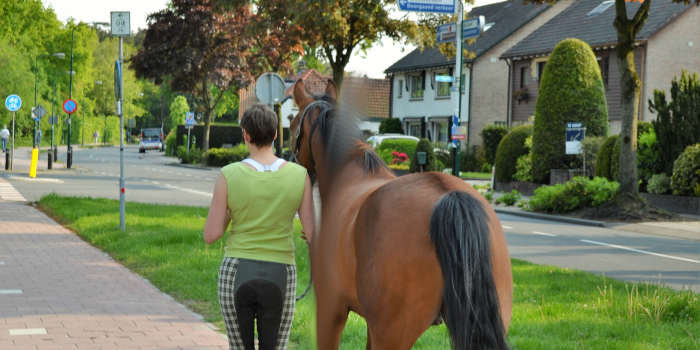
[69,149]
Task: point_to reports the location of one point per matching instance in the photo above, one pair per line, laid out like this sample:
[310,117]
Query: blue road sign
[439,6]
[189,119]
[69,106]
[13,103]
[444,78]
[471,28]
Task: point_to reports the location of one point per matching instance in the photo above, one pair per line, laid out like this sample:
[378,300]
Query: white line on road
[505,227]
[27,331]
[544,234]
[37,179]
[10,291]
[641,251]
[188,190]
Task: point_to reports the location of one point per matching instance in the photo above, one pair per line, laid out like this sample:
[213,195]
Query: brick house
[668,43]
[425,106]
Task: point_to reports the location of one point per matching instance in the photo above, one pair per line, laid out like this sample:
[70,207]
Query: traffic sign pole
[458,78]
[12,162]
[121,26]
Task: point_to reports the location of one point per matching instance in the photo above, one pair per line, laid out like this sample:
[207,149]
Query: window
[604,63]
[443,89]
[417,86]
[601,8]
[414,130]
[400,93]
[523,75]
[540,70]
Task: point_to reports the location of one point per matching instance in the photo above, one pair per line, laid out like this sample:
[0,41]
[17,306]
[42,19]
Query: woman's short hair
[260,122]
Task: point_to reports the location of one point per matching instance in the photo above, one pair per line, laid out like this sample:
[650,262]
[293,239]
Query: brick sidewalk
[58,292]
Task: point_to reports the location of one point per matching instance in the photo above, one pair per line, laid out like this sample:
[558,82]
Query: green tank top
[262,207]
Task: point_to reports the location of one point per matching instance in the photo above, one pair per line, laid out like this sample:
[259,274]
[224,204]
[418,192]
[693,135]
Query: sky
[372,63]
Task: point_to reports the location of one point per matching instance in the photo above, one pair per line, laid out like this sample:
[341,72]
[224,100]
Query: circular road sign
[70,106]
[13,103]
[269,88]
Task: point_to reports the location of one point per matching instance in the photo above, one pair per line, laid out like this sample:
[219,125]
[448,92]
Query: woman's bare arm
[219,217]
[306,211]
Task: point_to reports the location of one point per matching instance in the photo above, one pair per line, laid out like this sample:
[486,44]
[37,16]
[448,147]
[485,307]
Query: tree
[178,111]
[197,48]
[571,90]
[627,29]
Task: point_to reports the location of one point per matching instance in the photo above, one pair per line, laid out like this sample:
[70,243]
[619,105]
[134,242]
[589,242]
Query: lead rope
[308,288]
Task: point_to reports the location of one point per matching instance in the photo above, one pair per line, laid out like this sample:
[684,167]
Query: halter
[317,104]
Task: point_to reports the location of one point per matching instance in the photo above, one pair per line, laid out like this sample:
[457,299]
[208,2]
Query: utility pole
[458,78]
[69,151]
[121,26]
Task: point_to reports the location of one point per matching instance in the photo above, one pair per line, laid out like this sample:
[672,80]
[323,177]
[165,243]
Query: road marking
[10,291]
[544,234]
[188,190]
[505,227]
[641,251]
[9,193]
[156,182]
[2,263]
[28,331]
[37,179]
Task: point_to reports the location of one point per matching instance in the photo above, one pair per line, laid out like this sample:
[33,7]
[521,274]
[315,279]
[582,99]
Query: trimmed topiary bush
[571,90]
[659,184]
[607,162]
[424,145]
[686,172]
[578,193]
[391,126]
[472,159]
[492,135]
[523,168]
[512,146]
[225,156]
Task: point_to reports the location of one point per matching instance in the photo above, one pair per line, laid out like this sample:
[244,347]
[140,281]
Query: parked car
[377,140]
[151,139]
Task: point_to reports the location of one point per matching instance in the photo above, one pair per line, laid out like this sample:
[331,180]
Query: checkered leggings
[227,278]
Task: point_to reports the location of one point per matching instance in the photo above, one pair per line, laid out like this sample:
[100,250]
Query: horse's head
[303,127]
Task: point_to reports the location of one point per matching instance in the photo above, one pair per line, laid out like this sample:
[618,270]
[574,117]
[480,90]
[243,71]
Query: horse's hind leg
[394,335]
[330,321]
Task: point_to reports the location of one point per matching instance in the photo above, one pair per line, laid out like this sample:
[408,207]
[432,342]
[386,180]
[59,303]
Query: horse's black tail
[459,230]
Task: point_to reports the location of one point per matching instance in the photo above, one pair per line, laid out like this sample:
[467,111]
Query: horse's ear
[301,98]
[332,89]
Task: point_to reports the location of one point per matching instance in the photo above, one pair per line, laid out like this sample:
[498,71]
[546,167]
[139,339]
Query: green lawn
[553,309]
[473,175]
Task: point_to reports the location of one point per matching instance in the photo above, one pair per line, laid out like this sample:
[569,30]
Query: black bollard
[55,153]
[69,158]
[50,158]
[7,160]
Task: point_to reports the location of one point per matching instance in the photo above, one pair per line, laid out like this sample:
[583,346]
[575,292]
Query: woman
[259,197]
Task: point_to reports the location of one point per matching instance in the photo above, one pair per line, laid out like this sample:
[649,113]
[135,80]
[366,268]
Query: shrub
[648,162]
[488,196]
[491,136]
[578,193]
[686,172]
[444,155]
[659,184]
[170,143]
[607,162]
[391,125]
[194,156]
[224,156]
[571,90]
[512,146]
[523,168]
[399,145]
[510,198]
[591,147]
[430,162]
[677,123]
[643,128]
[471,159]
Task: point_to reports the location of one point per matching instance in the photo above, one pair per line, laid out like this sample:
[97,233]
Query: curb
[190,166]
[566,219]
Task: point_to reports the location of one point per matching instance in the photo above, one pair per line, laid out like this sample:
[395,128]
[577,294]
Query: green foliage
[171,143]
[511,147]
[659,184]
[677,123]
[491,136]
[509,198]
[178,110]
[523,168]
[431,164]
[194,156]
[644,127]
[399,145]
[224,156]
[571,90]
[686,172]
[648,157]
[578,193]
[472,159]
[591,147]
[607,162]
[391,125]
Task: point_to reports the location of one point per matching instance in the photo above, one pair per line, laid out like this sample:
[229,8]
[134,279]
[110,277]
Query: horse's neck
[351,173]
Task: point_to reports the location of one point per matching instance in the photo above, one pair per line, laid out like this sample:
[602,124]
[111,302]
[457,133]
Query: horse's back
[397,264]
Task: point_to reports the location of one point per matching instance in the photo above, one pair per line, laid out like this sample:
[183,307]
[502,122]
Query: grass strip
[553,308]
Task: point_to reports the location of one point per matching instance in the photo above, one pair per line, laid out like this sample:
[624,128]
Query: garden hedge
[571,90]
[491,136]
[686,172]
[511,147]
[391,126]
[607,163]
[431,163]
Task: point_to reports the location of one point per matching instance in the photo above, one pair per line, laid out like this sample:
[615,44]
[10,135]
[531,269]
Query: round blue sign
[69,106]
[13,103]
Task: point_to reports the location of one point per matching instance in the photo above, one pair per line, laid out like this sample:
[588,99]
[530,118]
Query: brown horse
[402,252]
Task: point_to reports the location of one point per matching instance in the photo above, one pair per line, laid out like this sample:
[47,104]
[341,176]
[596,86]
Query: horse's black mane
[340,135]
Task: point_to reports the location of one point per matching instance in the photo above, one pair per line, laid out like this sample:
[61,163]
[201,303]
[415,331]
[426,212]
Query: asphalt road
[154,178]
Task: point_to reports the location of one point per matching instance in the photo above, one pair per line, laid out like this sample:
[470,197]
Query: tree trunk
[207,125]
[338,74]
[628,134]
